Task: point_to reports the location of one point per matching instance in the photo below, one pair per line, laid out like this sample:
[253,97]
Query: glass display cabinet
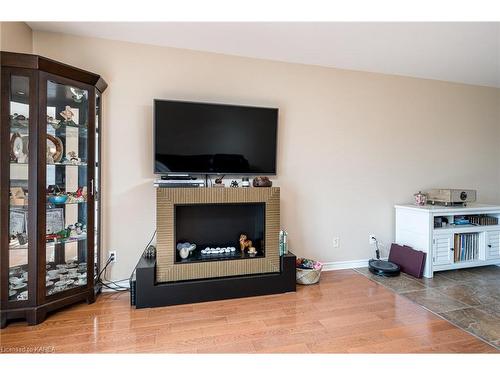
[50,184]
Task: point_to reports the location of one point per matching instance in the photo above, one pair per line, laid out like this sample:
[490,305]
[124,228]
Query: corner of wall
[16,37]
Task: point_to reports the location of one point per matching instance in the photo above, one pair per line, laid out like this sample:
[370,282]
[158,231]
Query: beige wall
[351,144]
[16,37]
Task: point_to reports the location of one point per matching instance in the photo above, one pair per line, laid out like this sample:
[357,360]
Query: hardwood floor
[345,313]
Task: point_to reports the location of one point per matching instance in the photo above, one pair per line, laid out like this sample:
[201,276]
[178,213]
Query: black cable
[100,281]
[149,243]
[113,284]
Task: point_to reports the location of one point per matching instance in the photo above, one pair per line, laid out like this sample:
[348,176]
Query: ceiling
[459,52]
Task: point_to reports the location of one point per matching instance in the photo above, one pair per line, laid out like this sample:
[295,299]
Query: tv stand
[420,227]
[150,293]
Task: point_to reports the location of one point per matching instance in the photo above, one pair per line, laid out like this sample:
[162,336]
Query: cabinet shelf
[67,240]
[467,228]
[61,131]
[19,126]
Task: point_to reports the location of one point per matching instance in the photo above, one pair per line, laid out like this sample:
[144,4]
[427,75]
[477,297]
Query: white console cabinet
[415,227]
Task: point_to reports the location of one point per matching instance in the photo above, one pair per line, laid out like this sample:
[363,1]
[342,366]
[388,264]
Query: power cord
[149,243]
[104,282]
[113,284]
[377,248]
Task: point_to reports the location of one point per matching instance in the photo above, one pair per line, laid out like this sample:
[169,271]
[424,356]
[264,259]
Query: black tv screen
[203,138]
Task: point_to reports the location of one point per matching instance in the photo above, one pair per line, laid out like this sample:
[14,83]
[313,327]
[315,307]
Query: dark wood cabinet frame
[40,69]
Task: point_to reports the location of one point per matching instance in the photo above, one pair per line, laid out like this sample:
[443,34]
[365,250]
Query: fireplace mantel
[168,269]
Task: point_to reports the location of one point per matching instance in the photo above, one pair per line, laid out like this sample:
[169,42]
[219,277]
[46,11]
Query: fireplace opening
[219,226]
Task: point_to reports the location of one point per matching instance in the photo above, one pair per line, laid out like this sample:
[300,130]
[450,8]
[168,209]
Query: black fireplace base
[148,293]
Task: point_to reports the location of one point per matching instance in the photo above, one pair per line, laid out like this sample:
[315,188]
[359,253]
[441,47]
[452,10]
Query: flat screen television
[204,138]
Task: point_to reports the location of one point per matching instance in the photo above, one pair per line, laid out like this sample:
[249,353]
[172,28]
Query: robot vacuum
[382,267]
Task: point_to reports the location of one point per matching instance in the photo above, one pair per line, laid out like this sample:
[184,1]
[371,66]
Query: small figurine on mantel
[245,242]
[252,251]
[262,182]
[68,115]
[185,249]
[219,182]
[234,184]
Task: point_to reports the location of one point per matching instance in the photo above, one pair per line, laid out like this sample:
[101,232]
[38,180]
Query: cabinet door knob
[452,249]
[489,245]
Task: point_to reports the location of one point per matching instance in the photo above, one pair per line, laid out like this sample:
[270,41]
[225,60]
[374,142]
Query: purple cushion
[408,259]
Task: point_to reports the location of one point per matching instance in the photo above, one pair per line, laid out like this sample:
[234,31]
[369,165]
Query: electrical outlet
[112,256]
[336,242]
[372,239]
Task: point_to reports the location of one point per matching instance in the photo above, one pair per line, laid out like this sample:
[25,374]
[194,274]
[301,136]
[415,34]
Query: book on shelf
[466,247]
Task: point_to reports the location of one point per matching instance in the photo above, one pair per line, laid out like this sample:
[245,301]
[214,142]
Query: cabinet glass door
[66,187]
[19,120]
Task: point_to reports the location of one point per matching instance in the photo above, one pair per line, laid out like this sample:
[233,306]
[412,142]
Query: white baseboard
[120,284]
[346,265]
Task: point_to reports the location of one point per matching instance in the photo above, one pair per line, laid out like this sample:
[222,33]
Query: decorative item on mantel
[185,249]
[245,182]
[262,182]
[420,198]
[283,242]
[245,242]
[252,251]
[234,184]
[219,182]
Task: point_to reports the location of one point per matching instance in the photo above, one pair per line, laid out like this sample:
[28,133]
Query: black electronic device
[382,267]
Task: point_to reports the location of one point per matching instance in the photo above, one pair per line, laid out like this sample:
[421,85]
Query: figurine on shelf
[219,182]
[14,241]
[17,196]
[78,196]
[55,195]
[244,242]
[234,184]
[68,115]
[72,231]
[78,94]
[22,238]
[50,159]
[262,182]
[16,148]
[252,251]
[73,158]
[56,124]
[185,249]
[79,229]
[61,235]
[19,120]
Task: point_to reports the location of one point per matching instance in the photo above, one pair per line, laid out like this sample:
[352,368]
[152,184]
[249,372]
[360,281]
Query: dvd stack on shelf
[466,247]
[483,220]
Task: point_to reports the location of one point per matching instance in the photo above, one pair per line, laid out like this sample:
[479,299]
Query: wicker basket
[308,276]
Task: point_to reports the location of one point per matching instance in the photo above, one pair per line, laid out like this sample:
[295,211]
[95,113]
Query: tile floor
[468,298]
